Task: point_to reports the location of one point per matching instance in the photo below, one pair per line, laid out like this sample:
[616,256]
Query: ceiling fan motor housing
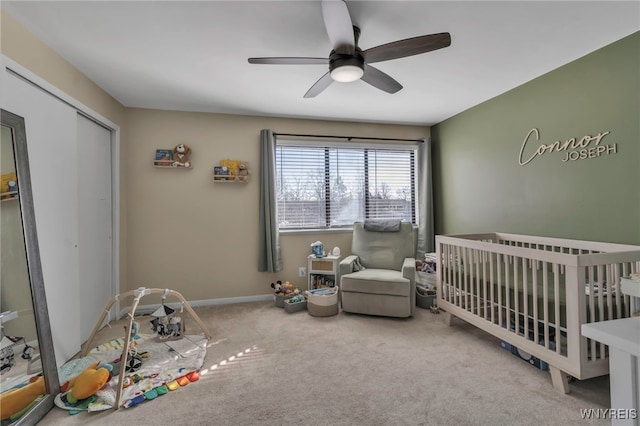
[339,60]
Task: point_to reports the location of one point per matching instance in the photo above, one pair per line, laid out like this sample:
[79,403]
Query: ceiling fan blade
[407,47]
[339,26]
[289,61]
[380,80]
[324,82]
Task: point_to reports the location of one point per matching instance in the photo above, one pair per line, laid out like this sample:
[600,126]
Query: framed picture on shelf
[163,157]
[220,172]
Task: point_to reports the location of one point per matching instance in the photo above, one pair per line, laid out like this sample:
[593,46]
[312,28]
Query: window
[331,185]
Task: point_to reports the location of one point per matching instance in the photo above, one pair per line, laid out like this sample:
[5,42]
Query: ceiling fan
[347,62]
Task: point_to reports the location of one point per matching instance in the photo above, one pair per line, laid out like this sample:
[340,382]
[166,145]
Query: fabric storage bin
[323,305]
[424,300]
[426,279]
[291,307]
[322,311]
[280,299]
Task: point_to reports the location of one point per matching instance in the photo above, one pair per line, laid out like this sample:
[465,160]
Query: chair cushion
[376,281]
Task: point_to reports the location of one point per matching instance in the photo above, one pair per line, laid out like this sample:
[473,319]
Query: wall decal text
[575,149]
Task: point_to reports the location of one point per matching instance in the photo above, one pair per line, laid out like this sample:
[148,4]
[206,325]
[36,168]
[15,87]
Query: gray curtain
[269,259]
[426,228]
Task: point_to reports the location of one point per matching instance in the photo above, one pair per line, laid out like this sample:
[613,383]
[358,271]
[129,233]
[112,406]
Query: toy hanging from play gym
[166,323]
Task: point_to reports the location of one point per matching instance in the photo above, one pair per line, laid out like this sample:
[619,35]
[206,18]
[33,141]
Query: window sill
[316,231]
[321,231]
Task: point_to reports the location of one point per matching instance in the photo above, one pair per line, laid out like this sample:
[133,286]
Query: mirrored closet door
[28,372]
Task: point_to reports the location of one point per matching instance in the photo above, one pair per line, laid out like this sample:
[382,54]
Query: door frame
[12,67]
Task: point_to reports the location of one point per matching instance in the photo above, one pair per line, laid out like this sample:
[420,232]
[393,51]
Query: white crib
[535,293]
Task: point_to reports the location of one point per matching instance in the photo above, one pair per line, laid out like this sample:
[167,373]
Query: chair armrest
[409,269]
[409,272]
[346,264]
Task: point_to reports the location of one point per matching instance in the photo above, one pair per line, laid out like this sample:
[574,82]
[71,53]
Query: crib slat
[618,293]
[601,295]
[545,300]
[473,294]
[516,293]
[492,290]
[534,281]
[447,260]
[592,310]
[507,297]
[478,298]
[450,275]
[525,297]
[458,276]
[609,291]
[501,320]
[465,279]
[484,286]
[556,304]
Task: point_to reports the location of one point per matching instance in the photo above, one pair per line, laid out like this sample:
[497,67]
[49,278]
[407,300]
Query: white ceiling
[192,55]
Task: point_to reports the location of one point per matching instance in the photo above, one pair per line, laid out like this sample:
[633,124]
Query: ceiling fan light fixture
[347,73]
[346,68]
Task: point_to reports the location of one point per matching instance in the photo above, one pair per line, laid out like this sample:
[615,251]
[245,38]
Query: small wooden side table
[323,271]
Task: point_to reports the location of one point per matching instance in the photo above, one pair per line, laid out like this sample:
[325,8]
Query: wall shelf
[167,164]
[234,179]
[8,196]
[236,171]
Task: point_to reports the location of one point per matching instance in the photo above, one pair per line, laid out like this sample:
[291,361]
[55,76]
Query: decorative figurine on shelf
[13,186]
[243,171]
[317,249]
[181,156]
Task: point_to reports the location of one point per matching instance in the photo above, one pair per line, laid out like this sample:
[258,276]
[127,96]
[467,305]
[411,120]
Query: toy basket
[322,302]
[290,306]
[425,298]
[280,299]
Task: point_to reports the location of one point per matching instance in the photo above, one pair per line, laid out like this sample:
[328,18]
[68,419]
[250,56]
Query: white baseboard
[147,309]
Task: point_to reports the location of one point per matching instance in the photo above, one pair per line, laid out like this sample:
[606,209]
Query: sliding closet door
[51,131]
[95,246]
[71,167]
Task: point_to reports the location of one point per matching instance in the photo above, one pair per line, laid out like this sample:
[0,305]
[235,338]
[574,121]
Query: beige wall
[178,228]
[199,237]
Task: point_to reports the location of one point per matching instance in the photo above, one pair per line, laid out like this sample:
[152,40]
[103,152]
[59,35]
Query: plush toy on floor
[14,401]
[87,383]
[277,287]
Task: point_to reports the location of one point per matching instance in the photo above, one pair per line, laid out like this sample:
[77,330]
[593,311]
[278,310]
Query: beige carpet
[267,367]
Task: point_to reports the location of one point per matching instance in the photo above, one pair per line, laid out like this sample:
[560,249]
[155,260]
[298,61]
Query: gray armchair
[378,278]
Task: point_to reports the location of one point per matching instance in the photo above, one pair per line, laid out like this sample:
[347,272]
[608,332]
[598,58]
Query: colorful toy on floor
[135,378]
[15,400]
[88,382]
[283,288]
[163,389]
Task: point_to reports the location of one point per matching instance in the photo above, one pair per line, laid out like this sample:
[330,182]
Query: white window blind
[331,185]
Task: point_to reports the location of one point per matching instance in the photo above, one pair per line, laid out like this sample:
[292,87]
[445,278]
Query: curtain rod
[349,138]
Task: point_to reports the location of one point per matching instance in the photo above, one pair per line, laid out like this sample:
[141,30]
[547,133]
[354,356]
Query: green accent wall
[481,187]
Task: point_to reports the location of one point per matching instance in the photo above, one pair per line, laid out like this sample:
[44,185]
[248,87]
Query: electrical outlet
[302,271]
